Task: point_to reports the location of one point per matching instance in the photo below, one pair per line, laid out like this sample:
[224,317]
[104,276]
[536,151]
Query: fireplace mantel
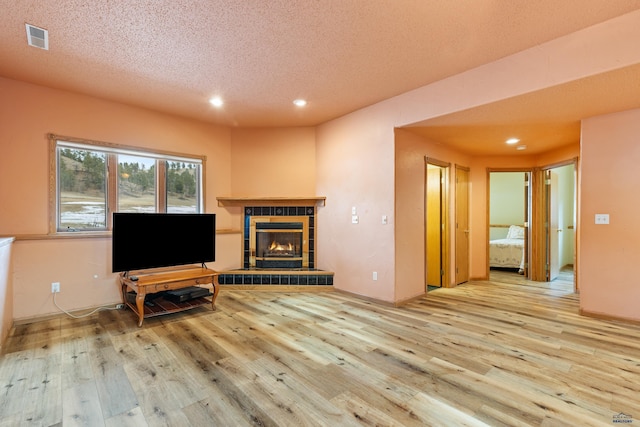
[273,210]
[269,201]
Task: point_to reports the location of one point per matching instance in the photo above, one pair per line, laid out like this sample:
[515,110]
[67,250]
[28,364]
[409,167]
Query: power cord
[117,307]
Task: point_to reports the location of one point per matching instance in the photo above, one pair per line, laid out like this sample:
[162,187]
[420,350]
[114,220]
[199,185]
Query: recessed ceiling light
[216,101]
[521,147]
[300,102]
[511,141]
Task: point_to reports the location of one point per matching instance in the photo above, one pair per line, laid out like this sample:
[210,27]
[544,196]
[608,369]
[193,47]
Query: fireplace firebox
[279,244]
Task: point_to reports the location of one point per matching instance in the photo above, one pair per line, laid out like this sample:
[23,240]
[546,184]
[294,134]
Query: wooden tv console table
[167,280]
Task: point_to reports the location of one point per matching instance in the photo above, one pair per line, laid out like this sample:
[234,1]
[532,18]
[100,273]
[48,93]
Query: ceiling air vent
[37,37]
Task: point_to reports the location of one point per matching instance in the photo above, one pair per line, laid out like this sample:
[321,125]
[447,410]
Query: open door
[436,224]
[552,229]
[527,241]
[555,244]
[462,225]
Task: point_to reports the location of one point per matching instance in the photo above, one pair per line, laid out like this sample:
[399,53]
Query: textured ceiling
[259,56]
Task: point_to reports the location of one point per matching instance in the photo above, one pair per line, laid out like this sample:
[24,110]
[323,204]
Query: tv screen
[150,240]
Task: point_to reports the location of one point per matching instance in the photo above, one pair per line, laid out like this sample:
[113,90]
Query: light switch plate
[602,218]
[354,219]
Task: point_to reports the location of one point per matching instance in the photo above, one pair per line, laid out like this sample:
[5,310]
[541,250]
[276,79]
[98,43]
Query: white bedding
[507,253]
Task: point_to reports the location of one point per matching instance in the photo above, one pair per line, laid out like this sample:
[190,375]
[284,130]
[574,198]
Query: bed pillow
[515,232]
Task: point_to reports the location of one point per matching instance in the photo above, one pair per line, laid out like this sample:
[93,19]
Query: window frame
[112,150]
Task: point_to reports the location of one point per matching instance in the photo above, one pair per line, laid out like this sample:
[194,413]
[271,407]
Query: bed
[508,252]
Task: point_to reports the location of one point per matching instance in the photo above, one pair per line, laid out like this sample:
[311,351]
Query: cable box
[186,294]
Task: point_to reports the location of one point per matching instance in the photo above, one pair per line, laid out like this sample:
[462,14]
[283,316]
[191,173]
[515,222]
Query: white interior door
[553,254]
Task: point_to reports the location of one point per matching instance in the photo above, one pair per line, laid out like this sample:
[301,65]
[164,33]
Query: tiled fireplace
[259,219]
[278,245]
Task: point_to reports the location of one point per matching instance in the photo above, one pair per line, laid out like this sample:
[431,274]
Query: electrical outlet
[119,306]
[55,287]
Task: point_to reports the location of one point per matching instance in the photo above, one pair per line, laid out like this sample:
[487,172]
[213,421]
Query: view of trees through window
[136,184]
[137,189]
[83,201]
[83,189]
[182,190]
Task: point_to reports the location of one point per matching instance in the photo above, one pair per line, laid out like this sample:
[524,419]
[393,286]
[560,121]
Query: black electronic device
[186,294]
[151,240]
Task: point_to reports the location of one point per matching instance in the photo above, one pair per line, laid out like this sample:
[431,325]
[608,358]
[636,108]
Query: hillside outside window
[85,193]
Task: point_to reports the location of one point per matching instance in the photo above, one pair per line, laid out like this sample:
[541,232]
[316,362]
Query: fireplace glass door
[279,244]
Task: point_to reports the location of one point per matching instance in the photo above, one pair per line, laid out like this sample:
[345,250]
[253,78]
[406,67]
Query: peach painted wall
[273,162]
[355,157]
[410,155]
[609,254]
[355,153]
[410,152]
[478,236]
[34,111]
[82,266]
[270,162]
[479,167]
[355,170]
[559,155]
[6,290]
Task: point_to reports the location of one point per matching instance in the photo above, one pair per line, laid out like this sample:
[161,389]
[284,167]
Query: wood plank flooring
[505,352]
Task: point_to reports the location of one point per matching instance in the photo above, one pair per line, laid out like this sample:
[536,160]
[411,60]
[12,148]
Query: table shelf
[135,292]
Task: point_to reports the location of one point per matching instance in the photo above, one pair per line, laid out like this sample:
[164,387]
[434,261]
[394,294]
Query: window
[136,184]
[85,193]
[182,187]
[82,189]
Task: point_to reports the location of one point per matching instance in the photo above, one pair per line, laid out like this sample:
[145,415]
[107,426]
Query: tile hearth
[308,275]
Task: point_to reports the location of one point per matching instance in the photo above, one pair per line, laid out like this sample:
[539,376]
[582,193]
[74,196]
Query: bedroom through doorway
[531,224]
[509,212]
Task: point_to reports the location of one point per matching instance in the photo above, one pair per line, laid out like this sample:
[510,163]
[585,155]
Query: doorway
[549,208]
[559,201]
[436,224]
[509,201]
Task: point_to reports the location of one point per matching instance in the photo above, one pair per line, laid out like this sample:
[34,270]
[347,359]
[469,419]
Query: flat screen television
[151,240]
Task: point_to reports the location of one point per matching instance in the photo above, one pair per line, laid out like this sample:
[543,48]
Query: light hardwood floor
[505,352]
